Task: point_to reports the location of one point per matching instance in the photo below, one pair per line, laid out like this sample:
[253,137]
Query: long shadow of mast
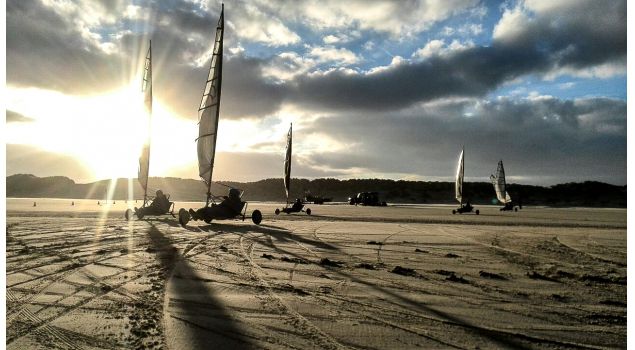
[191,301]
[500,338]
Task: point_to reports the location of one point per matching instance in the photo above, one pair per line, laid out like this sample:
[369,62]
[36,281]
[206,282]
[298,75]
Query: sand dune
[345,277]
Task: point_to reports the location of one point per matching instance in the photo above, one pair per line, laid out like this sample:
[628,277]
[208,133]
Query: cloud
[332,54]
[397,19]
[255,25]
[330,58]
[24,159]
[47,50]
[287,65]
[521,46]
[574,34]
[253,166]
[15,117]
[539,137]
[440,48]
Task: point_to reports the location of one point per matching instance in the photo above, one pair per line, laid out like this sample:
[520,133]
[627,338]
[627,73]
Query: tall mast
[146,88]
[209,110]
[287,163]
[459,177]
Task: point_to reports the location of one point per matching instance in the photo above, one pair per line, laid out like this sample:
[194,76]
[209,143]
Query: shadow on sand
[279,233]
[500,338]
[202,320]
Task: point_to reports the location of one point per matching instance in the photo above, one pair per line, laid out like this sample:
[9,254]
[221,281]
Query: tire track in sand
[323,340]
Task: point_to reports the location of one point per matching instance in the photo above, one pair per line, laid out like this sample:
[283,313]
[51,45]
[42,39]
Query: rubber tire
[515,209]
[308,211]
[139,215]
[477,212]
[277,211]
[184,217]
[256,217]
[128,214]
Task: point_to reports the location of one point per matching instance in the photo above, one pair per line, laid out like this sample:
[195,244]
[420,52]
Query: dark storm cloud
[15,117]
[44,50]
[545,137]
[585,36]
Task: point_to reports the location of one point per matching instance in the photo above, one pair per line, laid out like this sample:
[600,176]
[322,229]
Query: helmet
[234,193]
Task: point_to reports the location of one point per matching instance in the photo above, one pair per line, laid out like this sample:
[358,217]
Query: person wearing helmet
[161,203]
[231,206]
[297,205]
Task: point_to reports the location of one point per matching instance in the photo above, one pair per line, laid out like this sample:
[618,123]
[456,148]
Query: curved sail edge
[146,88]
[458,185]
[287,163]
[208,113]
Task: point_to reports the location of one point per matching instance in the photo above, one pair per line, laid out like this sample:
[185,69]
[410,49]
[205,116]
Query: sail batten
[144,158]
[287,163]
[500,186]
[209,109]
[458,185]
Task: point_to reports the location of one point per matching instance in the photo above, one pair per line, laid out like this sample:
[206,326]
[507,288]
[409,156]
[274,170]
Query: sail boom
[208,135]
[208,106]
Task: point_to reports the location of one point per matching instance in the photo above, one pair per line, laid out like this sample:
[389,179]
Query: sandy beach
[405,276]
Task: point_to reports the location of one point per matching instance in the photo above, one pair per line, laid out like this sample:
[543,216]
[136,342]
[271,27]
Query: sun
[100,130]
[129,125]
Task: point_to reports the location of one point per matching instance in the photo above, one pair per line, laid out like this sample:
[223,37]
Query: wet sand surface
[345,277]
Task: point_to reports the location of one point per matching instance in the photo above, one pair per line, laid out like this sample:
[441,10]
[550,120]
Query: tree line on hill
[588,193]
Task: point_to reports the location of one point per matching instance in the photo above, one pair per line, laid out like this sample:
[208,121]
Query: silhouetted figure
[73,203]
[228,208]
[98,203]
[297,205]
[34,204]
[161,203]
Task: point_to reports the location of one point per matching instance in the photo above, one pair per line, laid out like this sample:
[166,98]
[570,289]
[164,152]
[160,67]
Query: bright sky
[374,89]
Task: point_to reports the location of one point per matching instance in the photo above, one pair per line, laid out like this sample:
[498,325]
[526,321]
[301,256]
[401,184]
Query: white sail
[500,186]
[287,163]
[209,108]
[458,186]
[146,88]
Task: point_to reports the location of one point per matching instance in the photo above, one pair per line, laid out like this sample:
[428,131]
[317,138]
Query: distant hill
[589,193]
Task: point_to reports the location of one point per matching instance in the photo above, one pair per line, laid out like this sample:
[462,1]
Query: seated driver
[161,203]
[297,205]
[232,201]
[229,207]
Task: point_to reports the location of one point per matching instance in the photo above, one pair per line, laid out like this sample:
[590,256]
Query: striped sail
[458,186]
[287,163]
[146,88]
[209,108]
